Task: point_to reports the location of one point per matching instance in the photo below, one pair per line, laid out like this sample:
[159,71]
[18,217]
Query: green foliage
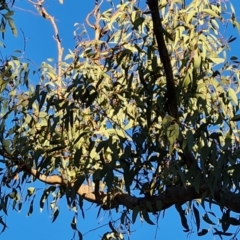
[104,119]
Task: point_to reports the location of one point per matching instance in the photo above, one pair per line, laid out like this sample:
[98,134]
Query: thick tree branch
[165,59]
[172,195]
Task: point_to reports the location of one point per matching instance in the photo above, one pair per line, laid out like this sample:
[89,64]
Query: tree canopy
[140,116]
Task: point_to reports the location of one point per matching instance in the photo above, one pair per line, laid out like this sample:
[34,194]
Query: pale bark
[172,195]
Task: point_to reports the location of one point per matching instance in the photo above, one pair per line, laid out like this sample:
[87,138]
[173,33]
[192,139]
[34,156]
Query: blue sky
[40,46]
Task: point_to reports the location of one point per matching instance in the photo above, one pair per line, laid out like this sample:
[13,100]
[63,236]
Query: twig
[26,10]
[24,40]
[104,225]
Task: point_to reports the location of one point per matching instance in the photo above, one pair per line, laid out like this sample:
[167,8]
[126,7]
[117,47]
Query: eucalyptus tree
[141,117]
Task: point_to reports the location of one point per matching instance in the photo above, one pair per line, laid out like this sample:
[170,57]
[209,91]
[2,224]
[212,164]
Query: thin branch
[96,13]
[46,15]
[39,3]
[26,10]
[24,40]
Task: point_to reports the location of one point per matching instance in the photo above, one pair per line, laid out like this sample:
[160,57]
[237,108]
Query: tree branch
[172,195]
[46,15]
[165,59]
